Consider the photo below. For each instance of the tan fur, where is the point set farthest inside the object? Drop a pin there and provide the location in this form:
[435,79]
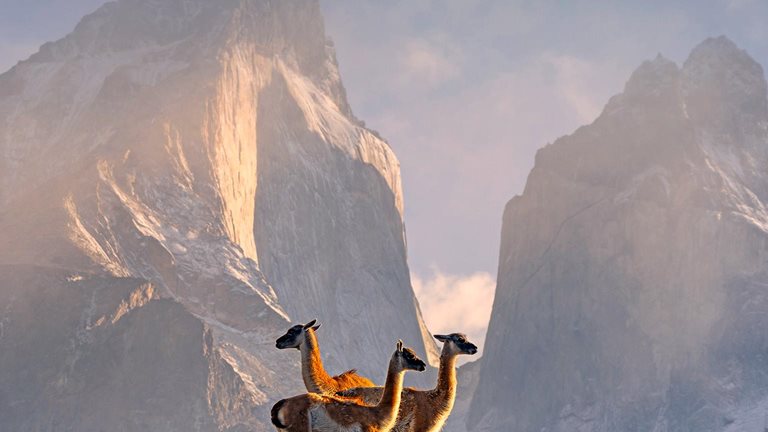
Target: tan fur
[420,410]
[316,379]
[323,413]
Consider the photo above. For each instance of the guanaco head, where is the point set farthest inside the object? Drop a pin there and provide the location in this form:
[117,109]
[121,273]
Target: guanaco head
[457,343]
[406,359]
[295,335]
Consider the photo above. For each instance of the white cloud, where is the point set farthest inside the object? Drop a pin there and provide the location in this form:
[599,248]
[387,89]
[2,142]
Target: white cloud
[456,303]
[428,63]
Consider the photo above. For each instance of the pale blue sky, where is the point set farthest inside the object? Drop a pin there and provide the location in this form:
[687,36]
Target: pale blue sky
[466,91]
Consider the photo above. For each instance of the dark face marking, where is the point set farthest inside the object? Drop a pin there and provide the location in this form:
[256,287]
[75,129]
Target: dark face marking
[461,342]
[412,361]
[467,347]
[291,339]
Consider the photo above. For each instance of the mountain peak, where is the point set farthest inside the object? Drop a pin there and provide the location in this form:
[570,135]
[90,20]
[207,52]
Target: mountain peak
[717,46]
[129,25]
[652,82]
[189,32]
[723,84]
[652,73]
[720,87]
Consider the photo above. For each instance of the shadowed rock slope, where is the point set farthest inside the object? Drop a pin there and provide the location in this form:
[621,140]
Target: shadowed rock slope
[632,277]
[179,181]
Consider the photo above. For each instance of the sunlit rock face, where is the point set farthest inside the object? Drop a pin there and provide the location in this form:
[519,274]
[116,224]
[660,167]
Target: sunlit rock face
[203,151]
[632,277]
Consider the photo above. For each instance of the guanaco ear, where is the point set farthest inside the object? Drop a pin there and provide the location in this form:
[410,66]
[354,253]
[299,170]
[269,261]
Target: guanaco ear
[442,338]
[400,345]
[310,324]
[316,327]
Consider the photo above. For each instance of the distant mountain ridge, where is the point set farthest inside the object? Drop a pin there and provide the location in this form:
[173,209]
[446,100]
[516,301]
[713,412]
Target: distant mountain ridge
[179,181]
[632,275]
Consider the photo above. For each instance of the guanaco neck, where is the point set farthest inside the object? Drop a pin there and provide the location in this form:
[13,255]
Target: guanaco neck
[390,398]
[312,371]
[446,377]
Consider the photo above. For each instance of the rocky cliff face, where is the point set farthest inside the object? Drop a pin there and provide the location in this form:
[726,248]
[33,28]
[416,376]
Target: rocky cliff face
[179,180]
[632,277]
